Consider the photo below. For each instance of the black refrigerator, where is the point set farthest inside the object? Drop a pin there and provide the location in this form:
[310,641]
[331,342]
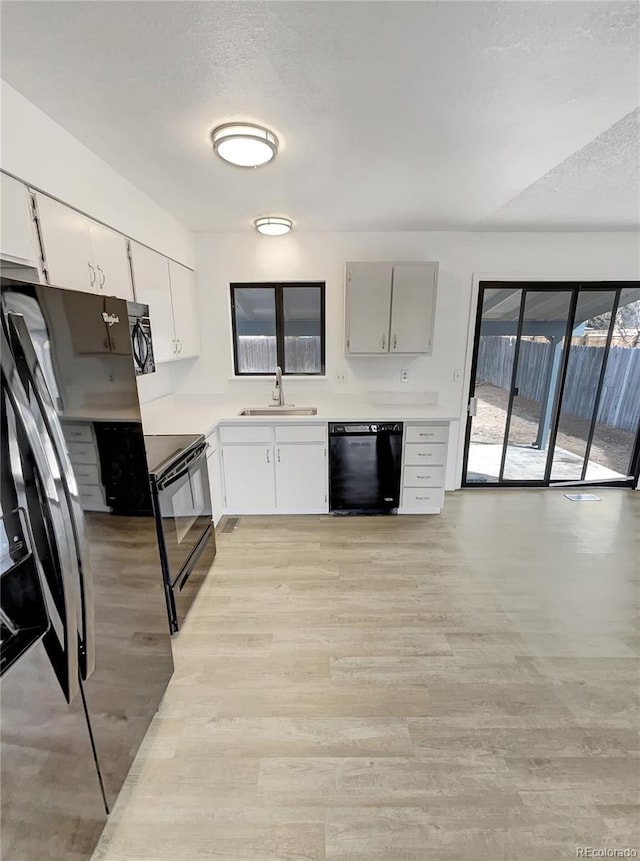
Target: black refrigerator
[85,652]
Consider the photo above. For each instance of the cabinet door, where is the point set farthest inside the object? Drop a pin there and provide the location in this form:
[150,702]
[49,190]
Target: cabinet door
[301,478]
[113,273]
[368,306]
[67,246]
[151,277]
[412,307]
[185,310]
[249,484]
[17,236]
[215,484]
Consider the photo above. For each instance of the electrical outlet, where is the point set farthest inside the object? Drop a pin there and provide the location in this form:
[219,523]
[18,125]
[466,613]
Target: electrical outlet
[341,377]
[404,375]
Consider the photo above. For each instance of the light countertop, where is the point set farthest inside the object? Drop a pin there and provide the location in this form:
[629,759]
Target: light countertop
[169,415]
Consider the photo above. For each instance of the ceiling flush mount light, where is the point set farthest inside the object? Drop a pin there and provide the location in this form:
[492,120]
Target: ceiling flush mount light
[244,144]
[272,225]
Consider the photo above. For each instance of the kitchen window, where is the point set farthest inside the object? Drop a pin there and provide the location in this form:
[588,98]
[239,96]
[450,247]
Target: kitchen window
[278,325]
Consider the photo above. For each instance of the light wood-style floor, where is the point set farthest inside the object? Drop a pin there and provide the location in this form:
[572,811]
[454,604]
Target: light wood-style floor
[387,689]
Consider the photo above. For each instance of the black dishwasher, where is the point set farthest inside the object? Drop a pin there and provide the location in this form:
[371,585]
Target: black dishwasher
[364,467]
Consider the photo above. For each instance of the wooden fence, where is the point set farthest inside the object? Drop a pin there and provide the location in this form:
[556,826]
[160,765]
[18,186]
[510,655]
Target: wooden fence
[620,401]
[257,354]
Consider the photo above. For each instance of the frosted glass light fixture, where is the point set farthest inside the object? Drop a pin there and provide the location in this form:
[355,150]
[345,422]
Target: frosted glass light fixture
[273,225]
[244,144]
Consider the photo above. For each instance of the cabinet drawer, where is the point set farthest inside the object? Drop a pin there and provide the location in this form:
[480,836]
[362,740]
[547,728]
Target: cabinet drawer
[78,433]
[419,499]
[425,433]
[83,452]
[246,433]
[425,454]
[301,433]
[92,497]
[86,473]
[423,476]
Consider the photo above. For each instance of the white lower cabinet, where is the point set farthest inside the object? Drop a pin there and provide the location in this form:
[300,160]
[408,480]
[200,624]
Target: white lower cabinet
[215,478]
[279,469]
[423,468]
[249,479]
[283,469]
[301,478]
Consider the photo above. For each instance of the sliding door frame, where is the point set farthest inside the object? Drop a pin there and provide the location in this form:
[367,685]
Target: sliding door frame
[576,287]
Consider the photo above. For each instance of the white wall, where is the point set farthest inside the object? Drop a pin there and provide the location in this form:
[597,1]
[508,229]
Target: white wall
[224,258]
[40,152]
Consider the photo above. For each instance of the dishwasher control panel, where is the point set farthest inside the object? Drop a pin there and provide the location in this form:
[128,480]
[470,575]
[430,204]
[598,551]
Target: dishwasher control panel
[374,427]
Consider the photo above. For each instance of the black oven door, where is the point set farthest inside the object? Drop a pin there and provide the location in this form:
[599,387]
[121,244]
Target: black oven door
[184,506]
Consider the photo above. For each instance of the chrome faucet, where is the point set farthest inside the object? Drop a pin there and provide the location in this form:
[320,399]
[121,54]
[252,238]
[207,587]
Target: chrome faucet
[277,395]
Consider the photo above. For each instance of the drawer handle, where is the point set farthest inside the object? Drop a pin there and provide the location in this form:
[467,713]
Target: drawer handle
[424,454]
[426,434]
[423,476]
[423,498]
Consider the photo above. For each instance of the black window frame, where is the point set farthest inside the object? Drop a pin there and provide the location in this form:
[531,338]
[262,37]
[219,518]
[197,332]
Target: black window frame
[278,288]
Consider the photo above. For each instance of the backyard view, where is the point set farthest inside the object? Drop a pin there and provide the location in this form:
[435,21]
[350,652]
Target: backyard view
[611,446]
[616,404]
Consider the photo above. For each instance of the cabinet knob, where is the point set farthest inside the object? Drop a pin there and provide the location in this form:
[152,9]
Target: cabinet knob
[268,459]
[395,341]
[93,273]
[278,455]
[103,277]
[383,342]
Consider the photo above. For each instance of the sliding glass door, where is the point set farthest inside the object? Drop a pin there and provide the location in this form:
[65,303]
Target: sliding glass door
[555,391]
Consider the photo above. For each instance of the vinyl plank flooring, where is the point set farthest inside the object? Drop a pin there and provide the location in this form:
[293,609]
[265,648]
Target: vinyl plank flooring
[453,688]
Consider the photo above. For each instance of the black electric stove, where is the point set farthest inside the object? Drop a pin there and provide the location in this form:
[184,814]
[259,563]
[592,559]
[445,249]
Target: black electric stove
[182,508]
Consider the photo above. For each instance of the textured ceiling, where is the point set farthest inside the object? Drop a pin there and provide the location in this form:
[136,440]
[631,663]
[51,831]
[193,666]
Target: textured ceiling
[392,115]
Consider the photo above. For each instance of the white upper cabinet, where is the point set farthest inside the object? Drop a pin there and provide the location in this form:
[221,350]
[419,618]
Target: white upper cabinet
[185,313]
[151,278]
[17,235]
[81,254]
[170,292]
[111,259]
[390,308]
[413,299]
[368,304]
[67,246]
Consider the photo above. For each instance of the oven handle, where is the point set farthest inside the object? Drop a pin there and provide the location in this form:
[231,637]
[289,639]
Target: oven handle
[184,467]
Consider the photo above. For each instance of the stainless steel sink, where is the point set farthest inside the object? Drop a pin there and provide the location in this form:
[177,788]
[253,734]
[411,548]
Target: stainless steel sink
[279,411]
